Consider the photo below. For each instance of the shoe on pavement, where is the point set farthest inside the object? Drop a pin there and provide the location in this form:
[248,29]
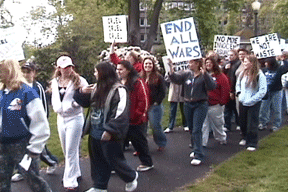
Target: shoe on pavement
[131,186]
[168,130]
[96,190]
[192,155]
[242,142]
[186,129]
[51,169]
[262,127]
[274,129]
[223,142]
[226,129]
[17,177]
[196,162]
[71,189]
[251,149]
[238,128]
[144,167]
[136,153]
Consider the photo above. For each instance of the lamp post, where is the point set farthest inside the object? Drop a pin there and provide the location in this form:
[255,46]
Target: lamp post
[256,7]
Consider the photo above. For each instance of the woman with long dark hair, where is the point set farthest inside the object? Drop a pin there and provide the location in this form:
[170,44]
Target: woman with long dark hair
[197,82]
[251,87]
[139,104]
[217,98]
[109,119]
[157,88]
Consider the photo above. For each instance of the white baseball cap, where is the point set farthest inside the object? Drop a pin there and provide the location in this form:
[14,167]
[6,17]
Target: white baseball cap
[64,61]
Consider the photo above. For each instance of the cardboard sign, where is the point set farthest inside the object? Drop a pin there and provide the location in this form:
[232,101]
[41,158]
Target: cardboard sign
[11,40]
[181,40]
[115,28]
[223,44]
[178,66]
[266,46]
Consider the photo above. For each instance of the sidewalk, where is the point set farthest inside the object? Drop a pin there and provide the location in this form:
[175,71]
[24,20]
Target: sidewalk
[172,168]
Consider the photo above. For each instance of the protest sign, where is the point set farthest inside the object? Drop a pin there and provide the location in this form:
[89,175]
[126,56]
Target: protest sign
[266,46]
[178,66]
[115,28]
[223,44]
[11,40]
[181,40]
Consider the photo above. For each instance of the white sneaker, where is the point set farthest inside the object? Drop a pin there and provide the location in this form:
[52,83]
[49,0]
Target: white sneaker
[186,129]
[17,177]
[262,127]
[251,149]
[242,142]
[192,155]
[238,128]
[144,167]
[132,185]
[96,190]
[51,169]
[225,129]
[195,162]
[168,130]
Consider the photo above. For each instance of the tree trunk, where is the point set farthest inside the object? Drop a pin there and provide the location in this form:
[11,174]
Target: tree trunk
[154,26]
[133,27]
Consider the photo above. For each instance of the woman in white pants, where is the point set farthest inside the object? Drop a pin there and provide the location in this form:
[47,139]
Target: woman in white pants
[70,118]
[217,98]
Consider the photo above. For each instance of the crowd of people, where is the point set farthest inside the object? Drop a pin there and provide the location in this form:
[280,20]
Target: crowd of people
[124,103]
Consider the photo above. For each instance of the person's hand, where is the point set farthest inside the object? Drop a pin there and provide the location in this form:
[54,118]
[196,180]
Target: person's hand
[106,136]
[170,63]
[228,66]
[112,48]
[87,89]
[202,70]
[232,96]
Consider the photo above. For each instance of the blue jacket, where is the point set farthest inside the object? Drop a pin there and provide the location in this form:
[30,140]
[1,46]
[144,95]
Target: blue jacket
[22,115]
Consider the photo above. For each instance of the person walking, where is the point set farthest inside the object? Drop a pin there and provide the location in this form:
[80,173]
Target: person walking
[24,128]
[251,87]
[197,82]
[217,99]
[157,88]
[139,105]
[109,120]
[70,118]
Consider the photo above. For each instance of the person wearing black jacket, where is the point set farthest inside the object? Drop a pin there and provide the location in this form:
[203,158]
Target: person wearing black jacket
[273,99]
[230,70]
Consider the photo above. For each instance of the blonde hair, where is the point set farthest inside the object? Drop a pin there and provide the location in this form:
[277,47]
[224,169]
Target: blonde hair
[14,75]
[75,77]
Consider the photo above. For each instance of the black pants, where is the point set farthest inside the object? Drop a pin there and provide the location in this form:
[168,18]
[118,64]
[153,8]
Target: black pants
[136,134]
[47,157]
[249,119]
[230,108]
[106,156]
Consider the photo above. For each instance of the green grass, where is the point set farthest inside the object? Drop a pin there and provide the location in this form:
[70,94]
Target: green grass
[265,170]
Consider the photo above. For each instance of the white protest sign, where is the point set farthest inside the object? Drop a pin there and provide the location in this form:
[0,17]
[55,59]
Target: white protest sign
[266,46]
[11,40]
[223,44]
[178,66]
[181,40]
[115,28]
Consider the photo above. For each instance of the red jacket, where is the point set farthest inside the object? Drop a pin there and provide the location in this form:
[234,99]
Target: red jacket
[139,102]
[115,60]
[221,94]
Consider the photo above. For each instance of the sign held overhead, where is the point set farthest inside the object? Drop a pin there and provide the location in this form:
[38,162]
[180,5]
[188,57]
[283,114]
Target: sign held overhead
[115,28]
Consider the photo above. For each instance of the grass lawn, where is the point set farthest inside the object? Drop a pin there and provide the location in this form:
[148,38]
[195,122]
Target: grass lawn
[265,170]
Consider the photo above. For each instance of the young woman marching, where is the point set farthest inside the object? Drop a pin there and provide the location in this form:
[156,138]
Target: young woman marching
[70,118]
[109,121]
[157,88]
[251,87]
[197,82]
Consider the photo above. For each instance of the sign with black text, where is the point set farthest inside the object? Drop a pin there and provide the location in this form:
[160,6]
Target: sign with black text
[115,28]
[266,46]
[178,66]
[181,40]
[223,44]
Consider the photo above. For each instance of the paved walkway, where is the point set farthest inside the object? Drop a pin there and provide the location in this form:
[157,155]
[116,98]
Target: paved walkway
[172,168]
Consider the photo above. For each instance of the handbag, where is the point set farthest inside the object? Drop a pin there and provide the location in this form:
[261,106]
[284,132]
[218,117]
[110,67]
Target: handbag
[87,123]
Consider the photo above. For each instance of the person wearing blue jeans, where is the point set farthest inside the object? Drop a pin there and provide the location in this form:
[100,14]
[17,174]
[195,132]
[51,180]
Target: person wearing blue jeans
[157,87]
[196,84]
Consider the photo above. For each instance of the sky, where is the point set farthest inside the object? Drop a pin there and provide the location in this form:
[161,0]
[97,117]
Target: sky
[22,8]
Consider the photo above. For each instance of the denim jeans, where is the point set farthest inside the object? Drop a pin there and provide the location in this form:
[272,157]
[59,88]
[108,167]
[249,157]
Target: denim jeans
[155,115]
[195,115]
[173,111]
[274,102]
